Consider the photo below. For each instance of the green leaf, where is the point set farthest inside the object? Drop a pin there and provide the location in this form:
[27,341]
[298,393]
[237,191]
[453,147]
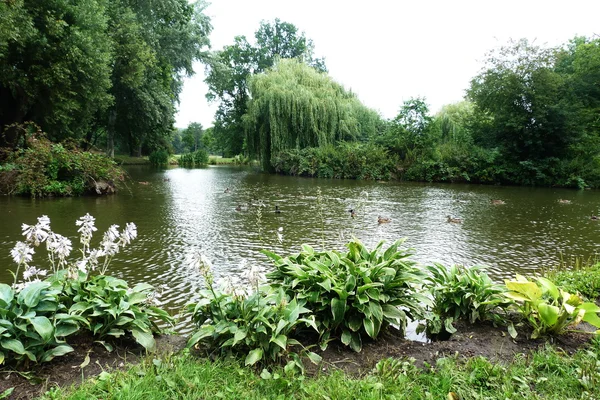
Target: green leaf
[346,337]
[511,330]
[354,323]
[549,287]
[56,352]
[7,392]
[280,340]
[266,375]
[350,283]
[144,338]
[31,295]
[369,327]
[314,357]
[326,284]
[254,356]
[356,342]
[527,289]
[43,327]
[6,293]
[338,309]
[239,335]
[1,358]
[13,345]
[392,312]
[548,314]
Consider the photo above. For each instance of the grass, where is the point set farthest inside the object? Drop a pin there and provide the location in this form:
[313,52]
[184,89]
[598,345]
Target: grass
[218,160]
[582,277]
[545,374]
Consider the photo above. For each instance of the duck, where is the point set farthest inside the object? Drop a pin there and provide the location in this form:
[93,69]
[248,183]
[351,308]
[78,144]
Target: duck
[144,183]
[226,190]
[352,212]
[594,217]
[383,220]
[277,210]
[454,220]
[238,208]
[497,202]
[563,201]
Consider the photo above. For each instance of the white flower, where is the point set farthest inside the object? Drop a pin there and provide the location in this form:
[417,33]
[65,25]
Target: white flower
[112,233]
[31,271]
[82,265]
[60,245]
[128,234]
[22,253]
[109,248]
[255,275]
[37,233]
[230,285]
[87,228]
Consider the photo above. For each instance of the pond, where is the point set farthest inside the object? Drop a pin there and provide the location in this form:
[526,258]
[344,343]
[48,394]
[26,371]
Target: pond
[183,209]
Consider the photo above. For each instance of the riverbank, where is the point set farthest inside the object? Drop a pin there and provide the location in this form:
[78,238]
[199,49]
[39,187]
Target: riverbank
[477,361]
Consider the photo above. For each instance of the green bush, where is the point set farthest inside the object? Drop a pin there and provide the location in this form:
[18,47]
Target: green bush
[459,293]
[257,323]
[53,169]
[548,309]
[191,160]
[352,295]
[159,158]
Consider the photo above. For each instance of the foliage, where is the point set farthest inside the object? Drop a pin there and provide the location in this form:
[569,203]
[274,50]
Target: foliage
[34,323]
[584,280]
[547,308]
[352,295]
[293,106]
[192,136]
[229,70]
[459,293]
[54,169]
[343,161]
[159,157]
[197,159]
[113,309]
[256,323]
[37,315]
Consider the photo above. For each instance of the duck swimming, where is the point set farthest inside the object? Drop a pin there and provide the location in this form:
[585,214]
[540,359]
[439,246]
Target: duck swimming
[238,208]
[383,220]
[594,217]
[563,201]
[352,213]
[497,202]
[277,210]
[454,220]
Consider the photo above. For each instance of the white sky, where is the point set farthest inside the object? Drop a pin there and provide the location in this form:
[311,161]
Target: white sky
[388,51]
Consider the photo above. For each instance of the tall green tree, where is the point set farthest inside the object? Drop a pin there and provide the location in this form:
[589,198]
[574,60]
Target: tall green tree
[228,72]
[192,136]
[55,64]
[294,106]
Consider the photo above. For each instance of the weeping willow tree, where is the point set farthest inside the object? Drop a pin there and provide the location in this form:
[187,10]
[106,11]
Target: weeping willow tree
[293,106]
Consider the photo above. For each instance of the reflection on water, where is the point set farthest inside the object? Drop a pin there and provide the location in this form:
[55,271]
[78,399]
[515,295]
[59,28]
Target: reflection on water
[182,209]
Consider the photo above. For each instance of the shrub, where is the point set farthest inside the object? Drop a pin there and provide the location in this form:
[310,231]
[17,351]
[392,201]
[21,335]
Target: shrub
[584,280]
[159,158]
[54,169]
[36,315]
[547,309]
[352,294]
[461,292]
[257,323]
[197,159]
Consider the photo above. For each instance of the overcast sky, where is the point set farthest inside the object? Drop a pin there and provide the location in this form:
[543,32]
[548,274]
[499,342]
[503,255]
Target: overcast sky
[388,51]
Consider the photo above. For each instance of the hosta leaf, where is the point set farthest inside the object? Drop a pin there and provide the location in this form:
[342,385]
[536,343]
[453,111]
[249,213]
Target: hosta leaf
[369,327]
[338,309]
[591,318]
[239,335]
[511,330]
[65,330]
[376,310]
[549,287]
[314,357]
[254,356]
[326,284]
[31,295]
[13,345]
[43,327]
[346,337]
[280,340]
[527,289]
[392,312]
[203,332]
[548,314]
[145,339]
[356,342]
[350,283]
[354,323]
[56,352]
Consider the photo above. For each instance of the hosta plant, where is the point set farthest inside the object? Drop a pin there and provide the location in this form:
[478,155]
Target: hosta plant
[250,321]
[76,294]
[34,324]
[548,309]
[354,294]
[460,292]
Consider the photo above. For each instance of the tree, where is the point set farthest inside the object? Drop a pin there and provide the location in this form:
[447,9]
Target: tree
[192,136]
[228,72]
[294,106]
[524,104]
[55,64]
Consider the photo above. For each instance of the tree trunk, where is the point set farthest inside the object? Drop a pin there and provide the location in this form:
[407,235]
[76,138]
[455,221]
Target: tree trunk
[110,134]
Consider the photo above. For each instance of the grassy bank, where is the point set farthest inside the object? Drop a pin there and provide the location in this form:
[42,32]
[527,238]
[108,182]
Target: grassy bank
[547,374]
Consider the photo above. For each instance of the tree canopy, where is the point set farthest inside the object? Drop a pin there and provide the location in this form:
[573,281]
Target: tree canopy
[82,69]
[228,71]
[294,106]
